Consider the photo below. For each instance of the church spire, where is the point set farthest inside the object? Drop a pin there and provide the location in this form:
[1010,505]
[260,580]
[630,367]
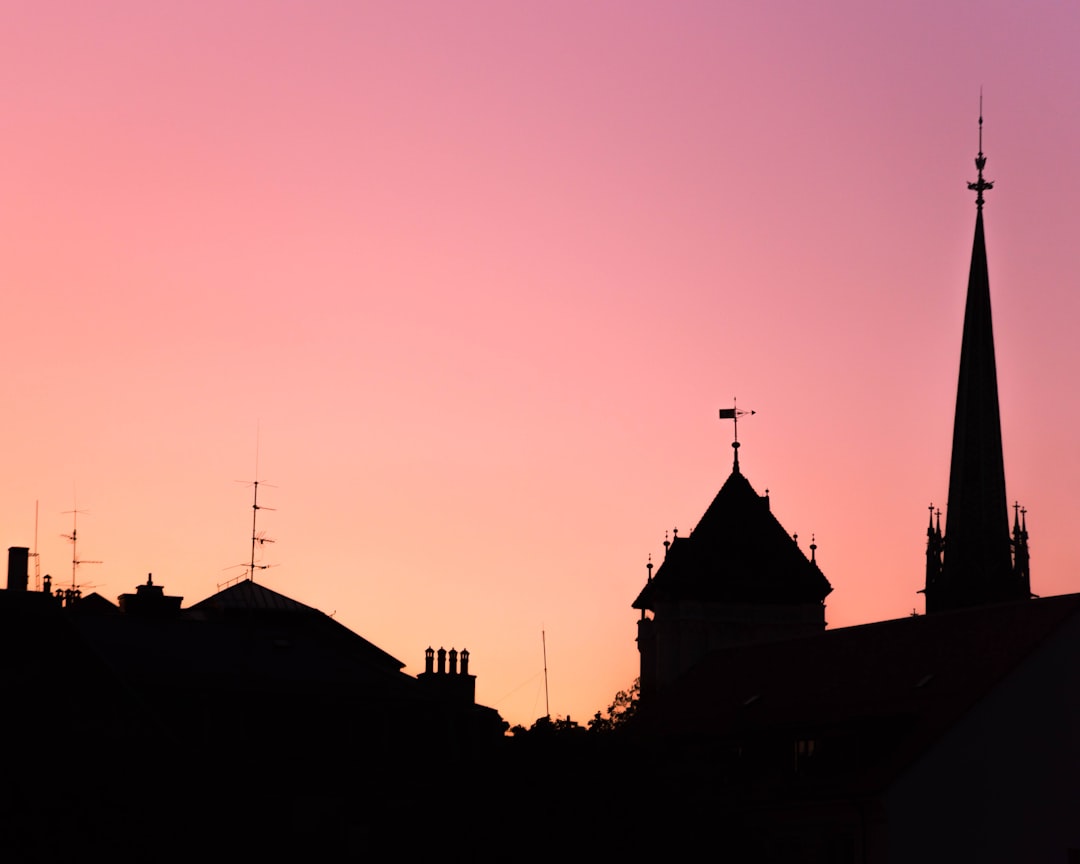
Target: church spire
[977,566]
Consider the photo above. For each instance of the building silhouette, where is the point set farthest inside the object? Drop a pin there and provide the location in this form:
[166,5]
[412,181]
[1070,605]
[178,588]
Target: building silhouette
[738,578]
[270,730]
[951,736]
[262,720]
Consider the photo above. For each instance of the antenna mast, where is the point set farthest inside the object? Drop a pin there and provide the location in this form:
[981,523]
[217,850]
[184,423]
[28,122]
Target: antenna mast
[547,704]
[256,538]
[34,554]
[74,538]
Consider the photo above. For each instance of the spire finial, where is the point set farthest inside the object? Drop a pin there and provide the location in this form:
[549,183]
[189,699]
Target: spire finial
[734,414]
[980,185]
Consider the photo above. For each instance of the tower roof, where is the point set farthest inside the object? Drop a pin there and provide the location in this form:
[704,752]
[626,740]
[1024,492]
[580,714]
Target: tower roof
[737,553]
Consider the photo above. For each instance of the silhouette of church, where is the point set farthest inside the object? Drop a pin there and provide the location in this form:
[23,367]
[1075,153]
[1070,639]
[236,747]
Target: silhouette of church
[950,736]
[268,729]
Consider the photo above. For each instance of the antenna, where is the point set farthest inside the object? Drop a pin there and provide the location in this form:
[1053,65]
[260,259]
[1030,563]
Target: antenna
[74,538]
[258,538]
[547,704]
[34,554]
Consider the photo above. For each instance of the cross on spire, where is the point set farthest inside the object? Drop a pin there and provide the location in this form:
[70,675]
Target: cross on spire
[980,185]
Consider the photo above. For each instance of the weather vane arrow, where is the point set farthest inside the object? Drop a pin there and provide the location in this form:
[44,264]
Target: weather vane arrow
[733,414]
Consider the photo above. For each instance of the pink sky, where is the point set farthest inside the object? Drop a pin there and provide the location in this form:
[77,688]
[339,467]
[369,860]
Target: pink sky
[481,274]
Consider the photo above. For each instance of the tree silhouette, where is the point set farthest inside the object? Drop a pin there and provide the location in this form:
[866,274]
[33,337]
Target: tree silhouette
[620,712]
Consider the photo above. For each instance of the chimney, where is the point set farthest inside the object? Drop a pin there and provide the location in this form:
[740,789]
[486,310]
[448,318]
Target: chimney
[18,568]
[464,661]
[453,661]
[429,661]
[442,661]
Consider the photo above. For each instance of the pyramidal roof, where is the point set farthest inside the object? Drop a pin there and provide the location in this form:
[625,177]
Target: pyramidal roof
[737,553]
[250,595]
[248,598]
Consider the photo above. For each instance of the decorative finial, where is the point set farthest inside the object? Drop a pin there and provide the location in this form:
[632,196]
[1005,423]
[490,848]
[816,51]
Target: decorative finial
[980,185]
[649,568]
[734,414]
[813,549]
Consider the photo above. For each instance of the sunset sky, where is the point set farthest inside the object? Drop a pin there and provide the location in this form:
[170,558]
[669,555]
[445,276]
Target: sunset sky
[474,278]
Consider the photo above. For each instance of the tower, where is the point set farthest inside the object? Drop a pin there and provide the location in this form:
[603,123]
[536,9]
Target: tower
[738,578]
[973,562]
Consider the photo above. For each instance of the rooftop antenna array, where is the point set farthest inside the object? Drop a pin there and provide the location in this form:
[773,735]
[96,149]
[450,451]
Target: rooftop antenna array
[258,538]
[75,559]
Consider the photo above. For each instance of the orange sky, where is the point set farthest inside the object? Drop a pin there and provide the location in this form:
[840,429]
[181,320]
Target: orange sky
[478,277]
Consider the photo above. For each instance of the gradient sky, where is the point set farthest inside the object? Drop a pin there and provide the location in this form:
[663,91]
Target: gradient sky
[477,277]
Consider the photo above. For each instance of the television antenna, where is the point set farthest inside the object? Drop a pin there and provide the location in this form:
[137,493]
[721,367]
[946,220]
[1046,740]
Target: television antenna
[74,538]
[34,554]
[258,538]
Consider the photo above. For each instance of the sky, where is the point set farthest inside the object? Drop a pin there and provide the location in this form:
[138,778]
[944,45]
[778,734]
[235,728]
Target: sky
[464,285]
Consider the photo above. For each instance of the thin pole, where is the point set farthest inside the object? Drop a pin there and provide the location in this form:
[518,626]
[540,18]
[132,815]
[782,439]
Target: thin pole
[37,558]
[547,705]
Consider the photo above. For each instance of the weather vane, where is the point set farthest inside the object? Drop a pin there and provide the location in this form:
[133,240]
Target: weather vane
[734,414]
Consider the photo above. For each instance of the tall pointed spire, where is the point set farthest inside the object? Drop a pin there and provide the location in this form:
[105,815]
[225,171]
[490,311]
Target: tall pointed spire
[977,567]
